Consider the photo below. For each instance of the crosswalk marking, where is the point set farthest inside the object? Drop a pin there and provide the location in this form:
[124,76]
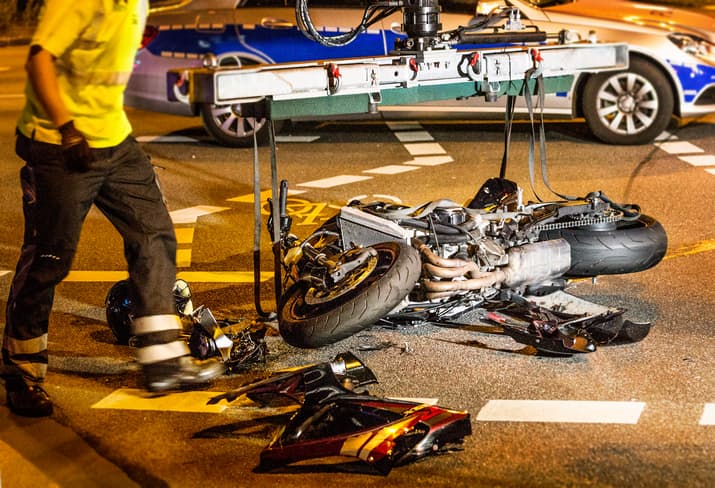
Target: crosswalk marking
[413,136]
[170,138]
[424,148]
[708,417]
[191,215]
[601,412]
[334,181]
[265,194]
[699,160]
[297,138]
[403,125]
[679,147]
[686,151]
[166,138]
[391,169]
[431,160]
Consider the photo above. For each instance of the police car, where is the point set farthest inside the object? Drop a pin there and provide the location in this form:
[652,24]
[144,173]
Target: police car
[671,70]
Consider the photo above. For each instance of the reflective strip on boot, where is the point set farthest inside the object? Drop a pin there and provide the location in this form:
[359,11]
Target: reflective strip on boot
[161,352]
[150,324]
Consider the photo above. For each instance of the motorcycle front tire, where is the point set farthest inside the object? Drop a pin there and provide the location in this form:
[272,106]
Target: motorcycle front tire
[627,247]
[314,325]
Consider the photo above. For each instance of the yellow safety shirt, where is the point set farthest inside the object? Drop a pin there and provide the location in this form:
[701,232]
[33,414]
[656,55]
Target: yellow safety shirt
[94,43]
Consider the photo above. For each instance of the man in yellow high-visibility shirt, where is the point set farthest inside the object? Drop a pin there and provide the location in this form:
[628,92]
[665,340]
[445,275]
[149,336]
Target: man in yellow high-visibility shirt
[75,139]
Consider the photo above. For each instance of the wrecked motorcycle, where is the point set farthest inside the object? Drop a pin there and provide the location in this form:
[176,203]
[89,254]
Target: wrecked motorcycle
[497,259]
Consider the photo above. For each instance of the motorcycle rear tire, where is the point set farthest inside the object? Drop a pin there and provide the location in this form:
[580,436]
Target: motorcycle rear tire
[629,247]
[315,325]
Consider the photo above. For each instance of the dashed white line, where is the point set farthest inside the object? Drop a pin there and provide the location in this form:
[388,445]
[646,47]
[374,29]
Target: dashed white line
[431,160]
[699,160]
[190,215]
[413,136]
[686,151]
[424,148]
[406,125]
[297,138]
[679,147]
[591,412]
[708,417]
[391,169]
[168,138]
[334,181]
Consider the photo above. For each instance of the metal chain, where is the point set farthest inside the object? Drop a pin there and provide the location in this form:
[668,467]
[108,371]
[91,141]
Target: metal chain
[577,223]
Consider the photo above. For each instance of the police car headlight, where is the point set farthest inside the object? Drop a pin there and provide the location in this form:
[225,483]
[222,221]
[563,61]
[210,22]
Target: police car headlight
[694,45]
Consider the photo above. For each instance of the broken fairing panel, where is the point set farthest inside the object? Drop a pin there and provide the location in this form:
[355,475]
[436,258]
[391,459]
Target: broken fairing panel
[381,432]
[308,384]
[338,417]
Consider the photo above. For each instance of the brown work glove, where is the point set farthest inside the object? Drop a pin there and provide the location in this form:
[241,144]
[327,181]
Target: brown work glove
[75,150]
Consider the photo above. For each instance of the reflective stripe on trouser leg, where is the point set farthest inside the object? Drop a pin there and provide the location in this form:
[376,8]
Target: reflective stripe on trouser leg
[27,358]
[159,338]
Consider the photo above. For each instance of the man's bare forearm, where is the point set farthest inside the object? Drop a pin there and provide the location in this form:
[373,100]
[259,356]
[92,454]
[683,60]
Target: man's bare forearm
[41,71]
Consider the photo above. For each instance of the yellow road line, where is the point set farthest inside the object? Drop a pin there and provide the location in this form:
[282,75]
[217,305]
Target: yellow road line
[185,401]
[133,399]
[689,249]
[190,276]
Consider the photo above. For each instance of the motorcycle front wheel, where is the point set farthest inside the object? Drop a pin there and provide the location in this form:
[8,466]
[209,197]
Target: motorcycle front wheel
[620,248]
[311,318]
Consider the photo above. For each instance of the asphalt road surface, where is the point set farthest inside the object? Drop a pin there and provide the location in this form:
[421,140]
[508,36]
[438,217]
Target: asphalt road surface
[633,415]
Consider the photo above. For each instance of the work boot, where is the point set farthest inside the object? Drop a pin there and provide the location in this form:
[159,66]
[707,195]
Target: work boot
[180,373]
[28,400]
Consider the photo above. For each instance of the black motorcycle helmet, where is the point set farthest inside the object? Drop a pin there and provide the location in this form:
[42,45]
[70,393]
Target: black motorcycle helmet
[119,306]
[119,309]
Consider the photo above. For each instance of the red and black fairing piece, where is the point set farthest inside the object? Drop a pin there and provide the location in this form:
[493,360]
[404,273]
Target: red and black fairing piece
[338,417]
[382,432]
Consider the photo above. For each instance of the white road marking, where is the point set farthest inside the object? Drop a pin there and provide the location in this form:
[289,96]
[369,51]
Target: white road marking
[688,152]
[679,147]
[699,160]
[334,181]
[297,138]
[175,138]
[425,148]
[191,215]
[406,125]
[414,136]
[708,417]
[601,412]
[665,136]
[391,169]
[430,160]
[169,138]
[265,194]
[5,272]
